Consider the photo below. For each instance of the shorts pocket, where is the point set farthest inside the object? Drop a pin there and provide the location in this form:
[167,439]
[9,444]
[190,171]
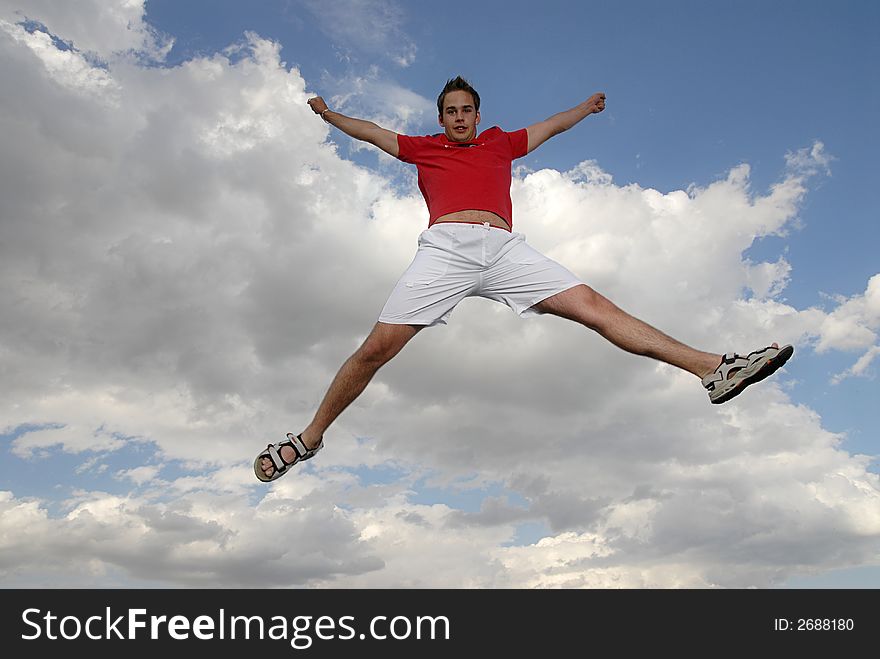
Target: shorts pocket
[430,265]
[521,253]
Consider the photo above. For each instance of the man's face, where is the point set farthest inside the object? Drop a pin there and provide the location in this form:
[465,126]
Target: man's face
[460,117]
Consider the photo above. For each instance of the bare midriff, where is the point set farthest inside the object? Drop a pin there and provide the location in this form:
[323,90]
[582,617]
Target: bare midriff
[475,217]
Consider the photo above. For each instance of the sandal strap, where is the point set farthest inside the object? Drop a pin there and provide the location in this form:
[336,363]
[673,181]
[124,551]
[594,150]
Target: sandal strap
[733,362]
[294,442]
[275,456]
[755,353]
[297,445]
[729,362]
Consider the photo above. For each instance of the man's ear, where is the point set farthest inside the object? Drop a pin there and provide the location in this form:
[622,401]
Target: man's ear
[440,119]
[477,122]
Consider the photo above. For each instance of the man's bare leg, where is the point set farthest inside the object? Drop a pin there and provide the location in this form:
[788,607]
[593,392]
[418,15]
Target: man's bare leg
[584,305]
[383,343]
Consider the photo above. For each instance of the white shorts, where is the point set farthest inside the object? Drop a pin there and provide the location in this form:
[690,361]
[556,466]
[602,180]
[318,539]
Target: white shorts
[456,260]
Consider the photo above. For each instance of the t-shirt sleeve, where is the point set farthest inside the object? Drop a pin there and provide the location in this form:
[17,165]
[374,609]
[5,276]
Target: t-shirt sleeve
[407,148]
[519,142]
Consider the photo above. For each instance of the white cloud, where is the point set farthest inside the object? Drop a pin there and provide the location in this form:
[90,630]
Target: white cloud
[68,68]
[370,27]
[106,29]
[853,326]
[860,368]
[139,475]
[810,161]
[186,268]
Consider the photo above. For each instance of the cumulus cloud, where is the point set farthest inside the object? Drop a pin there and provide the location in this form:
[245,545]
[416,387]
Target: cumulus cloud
[853,324]
[102,29]
[184,267]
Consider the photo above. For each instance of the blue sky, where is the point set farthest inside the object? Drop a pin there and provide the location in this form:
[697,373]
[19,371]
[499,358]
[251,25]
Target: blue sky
[182,280]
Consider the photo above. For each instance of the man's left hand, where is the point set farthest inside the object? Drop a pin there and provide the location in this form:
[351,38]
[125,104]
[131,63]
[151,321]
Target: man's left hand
[596,103]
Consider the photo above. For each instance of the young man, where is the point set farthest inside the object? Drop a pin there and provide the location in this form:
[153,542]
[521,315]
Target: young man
[469,249]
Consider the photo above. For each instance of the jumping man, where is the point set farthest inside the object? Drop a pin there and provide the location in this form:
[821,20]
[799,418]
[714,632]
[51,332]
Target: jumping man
[469,249]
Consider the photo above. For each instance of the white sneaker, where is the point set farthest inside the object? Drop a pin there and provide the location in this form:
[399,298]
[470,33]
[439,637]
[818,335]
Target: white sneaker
[736,372]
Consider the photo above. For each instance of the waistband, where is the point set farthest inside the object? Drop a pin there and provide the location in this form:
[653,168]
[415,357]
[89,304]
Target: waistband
[487,225]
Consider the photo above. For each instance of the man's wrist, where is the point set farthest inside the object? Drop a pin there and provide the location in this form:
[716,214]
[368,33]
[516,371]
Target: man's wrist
[326,110]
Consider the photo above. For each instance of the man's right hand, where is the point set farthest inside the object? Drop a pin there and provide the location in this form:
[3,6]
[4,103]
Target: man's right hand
[358,128]
[317,104]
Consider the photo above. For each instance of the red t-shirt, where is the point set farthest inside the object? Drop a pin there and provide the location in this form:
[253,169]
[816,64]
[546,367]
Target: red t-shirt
[457,176]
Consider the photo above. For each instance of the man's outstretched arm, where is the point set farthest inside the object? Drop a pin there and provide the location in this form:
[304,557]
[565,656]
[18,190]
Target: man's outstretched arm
[357,128]
[562,121]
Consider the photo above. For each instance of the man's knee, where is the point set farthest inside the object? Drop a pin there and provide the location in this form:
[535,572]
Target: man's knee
[374,352]
[581,304]
[384,342]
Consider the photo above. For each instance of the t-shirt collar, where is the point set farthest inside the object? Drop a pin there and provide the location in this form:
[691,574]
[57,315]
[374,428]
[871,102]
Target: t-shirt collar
[478,138]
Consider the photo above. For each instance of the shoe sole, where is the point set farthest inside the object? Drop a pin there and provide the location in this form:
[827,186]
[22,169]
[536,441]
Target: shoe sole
[769,368]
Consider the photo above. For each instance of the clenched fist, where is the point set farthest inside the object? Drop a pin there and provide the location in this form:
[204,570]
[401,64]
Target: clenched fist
[317,104]
[596,103]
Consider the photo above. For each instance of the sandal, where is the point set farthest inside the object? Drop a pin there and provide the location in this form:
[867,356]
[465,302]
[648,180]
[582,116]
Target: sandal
[736,372]
[273,452]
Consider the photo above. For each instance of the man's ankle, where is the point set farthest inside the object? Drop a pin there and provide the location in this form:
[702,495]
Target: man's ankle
[311,438]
